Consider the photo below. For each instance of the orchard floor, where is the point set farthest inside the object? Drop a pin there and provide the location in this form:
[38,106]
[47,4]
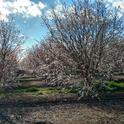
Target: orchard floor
[68,113]
[36,105]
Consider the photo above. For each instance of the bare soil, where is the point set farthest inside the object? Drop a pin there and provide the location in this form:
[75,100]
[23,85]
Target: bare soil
[71,113]
[63,112]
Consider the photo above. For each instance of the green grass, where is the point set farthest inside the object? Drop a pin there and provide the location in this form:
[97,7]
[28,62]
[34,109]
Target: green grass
[110,86]
[37,91]
[114,87]
[106,86]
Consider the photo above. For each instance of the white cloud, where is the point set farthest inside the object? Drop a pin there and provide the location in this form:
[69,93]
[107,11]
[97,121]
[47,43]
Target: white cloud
[26,8]
[58,10]
[118,4]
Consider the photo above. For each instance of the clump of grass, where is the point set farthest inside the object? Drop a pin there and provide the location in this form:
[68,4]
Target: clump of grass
[32,89]
[74,90]
[109,86]
[115,86]
[38,93]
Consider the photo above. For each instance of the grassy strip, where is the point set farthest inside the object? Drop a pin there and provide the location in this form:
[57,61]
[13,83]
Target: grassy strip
[113,86]
[110,86]
[106,86]
[37,91]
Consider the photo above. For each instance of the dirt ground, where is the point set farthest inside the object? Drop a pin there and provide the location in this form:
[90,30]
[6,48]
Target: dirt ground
[66,114]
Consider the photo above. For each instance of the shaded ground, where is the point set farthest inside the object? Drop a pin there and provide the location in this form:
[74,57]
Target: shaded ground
[37,96]
[76,113]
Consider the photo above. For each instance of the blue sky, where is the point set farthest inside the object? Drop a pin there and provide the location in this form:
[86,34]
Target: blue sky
[27,15]
[31,27]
